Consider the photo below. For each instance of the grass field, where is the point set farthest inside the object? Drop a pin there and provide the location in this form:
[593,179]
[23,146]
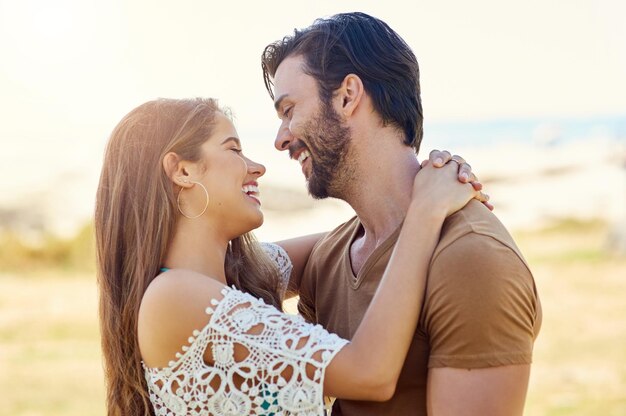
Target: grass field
[50,359]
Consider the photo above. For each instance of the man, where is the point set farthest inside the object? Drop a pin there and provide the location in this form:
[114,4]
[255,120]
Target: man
[347,92]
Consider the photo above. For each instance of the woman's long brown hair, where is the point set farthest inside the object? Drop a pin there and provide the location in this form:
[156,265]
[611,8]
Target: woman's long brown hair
[135,219]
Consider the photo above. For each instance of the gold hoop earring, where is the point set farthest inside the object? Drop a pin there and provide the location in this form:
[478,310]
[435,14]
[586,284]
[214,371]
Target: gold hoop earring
[205,205]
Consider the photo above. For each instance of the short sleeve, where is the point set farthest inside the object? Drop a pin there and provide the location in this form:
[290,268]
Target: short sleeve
[481,307]
[264,362]
[282,260]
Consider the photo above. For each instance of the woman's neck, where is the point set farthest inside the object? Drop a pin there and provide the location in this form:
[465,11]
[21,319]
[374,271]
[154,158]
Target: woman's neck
[196,247]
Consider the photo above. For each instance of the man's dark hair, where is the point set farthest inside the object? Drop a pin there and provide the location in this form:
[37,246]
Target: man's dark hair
[356,43]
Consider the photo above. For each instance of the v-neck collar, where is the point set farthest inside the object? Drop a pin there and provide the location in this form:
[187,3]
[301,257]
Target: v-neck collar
[355,281]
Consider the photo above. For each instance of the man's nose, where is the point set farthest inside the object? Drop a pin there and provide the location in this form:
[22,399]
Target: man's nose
[283,138]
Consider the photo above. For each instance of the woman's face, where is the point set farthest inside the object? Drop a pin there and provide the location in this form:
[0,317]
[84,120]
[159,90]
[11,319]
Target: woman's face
[231,181]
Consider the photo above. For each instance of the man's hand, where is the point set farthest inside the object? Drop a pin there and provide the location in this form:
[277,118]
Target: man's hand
[439,158]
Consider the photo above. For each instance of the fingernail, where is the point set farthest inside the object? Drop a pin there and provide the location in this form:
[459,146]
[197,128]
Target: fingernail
[464,176]
[439,161]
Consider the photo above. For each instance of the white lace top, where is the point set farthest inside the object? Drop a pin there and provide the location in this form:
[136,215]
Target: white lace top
[268,374]
[281,258]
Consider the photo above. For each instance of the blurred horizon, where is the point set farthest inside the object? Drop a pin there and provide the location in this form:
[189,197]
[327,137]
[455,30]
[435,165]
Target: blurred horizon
[60,202]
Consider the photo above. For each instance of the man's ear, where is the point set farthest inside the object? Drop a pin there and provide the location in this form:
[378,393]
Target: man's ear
[350,92]
[176,170]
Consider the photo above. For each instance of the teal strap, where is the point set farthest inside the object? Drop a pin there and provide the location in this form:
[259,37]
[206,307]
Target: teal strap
[164,269]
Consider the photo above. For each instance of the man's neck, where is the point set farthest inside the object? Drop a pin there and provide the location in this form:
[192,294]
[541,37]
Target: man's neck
[383,193]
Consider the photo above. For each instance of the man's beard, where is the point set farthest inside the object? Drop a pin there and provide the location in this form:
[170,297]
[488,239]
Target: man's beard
[328,141]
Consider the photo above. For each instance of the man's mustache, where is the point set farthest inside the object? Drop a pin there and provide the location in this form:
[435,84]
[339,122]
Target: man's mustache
[295,147]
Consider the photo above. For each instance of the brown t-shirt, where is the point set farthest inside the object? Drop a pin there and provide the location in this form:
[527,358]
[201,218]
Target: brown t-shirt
[481,307]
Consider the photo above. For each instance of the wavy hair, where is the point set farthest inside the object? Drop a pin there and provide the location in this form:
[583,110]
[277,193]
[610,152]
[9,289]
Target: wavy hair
[135,219]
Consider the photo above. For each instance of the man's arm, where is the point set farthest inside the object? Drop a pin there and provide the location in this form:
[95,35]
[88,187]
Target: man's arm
[481,315]
[482,392]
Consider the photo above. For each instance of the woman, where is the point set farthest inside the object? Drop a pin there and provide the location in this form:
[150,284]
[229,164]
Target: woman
[190,304]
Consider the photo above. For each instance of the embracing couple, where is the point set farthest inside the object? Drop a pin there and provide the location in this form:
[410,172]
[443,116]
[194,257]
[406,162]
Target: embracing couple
[420,304]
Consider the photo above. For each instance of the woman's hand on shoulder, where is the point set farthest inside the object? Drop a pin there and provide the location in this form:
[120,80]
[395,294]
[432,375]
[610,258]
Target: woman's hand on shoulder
[440,158]
[439,191]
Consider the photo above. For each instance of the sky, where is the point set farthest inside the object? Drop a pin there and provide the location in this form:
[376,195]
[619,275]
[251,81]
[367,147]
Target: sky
[70,69]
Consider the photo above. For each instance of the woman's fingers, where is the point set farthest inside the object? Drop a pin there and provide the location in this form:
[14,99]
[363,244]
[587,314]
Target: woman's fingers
[484,198]
[465,170]
[439,157]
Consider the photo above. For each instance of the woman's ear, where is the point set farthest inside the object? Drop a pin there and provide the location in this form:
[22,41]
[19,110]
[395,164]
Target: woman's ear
[176,170]
[350,92]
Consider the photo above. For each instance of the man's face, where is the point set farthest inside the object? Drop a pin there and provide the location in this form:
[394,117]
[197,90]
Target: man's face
[310,130]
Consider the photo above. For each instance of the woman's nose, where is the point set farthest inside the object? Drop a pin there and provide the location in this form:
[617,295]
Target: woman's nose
[255,168]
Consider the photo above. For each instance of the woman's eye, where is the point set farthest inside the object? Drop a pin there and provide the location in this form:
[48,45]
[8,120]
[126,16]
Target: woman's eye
[236,150]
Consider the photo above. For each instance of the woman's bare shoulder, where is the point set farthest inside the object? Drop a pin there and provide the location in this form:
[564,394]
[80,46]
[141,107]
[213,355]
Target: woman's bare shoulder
[173,306]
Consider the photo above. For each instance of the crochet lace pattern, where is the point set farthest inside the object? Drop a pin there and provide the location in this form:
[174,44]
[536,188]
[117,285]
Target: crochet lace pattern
[265,362]
[281,258]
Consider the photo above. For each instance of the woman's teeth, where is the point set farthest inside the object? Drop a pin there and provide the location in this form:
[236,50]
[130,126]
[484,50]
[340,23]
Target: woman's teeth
[250,190]
[303,156]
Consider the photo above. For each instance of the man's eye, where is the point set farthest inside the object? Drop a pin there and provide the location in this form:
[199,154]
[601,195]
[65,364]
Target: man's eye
[287,112]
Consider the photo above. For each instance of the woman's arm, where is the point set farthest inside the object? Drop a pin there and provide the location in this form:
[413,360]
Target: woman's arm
[368,368]
[299,249]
